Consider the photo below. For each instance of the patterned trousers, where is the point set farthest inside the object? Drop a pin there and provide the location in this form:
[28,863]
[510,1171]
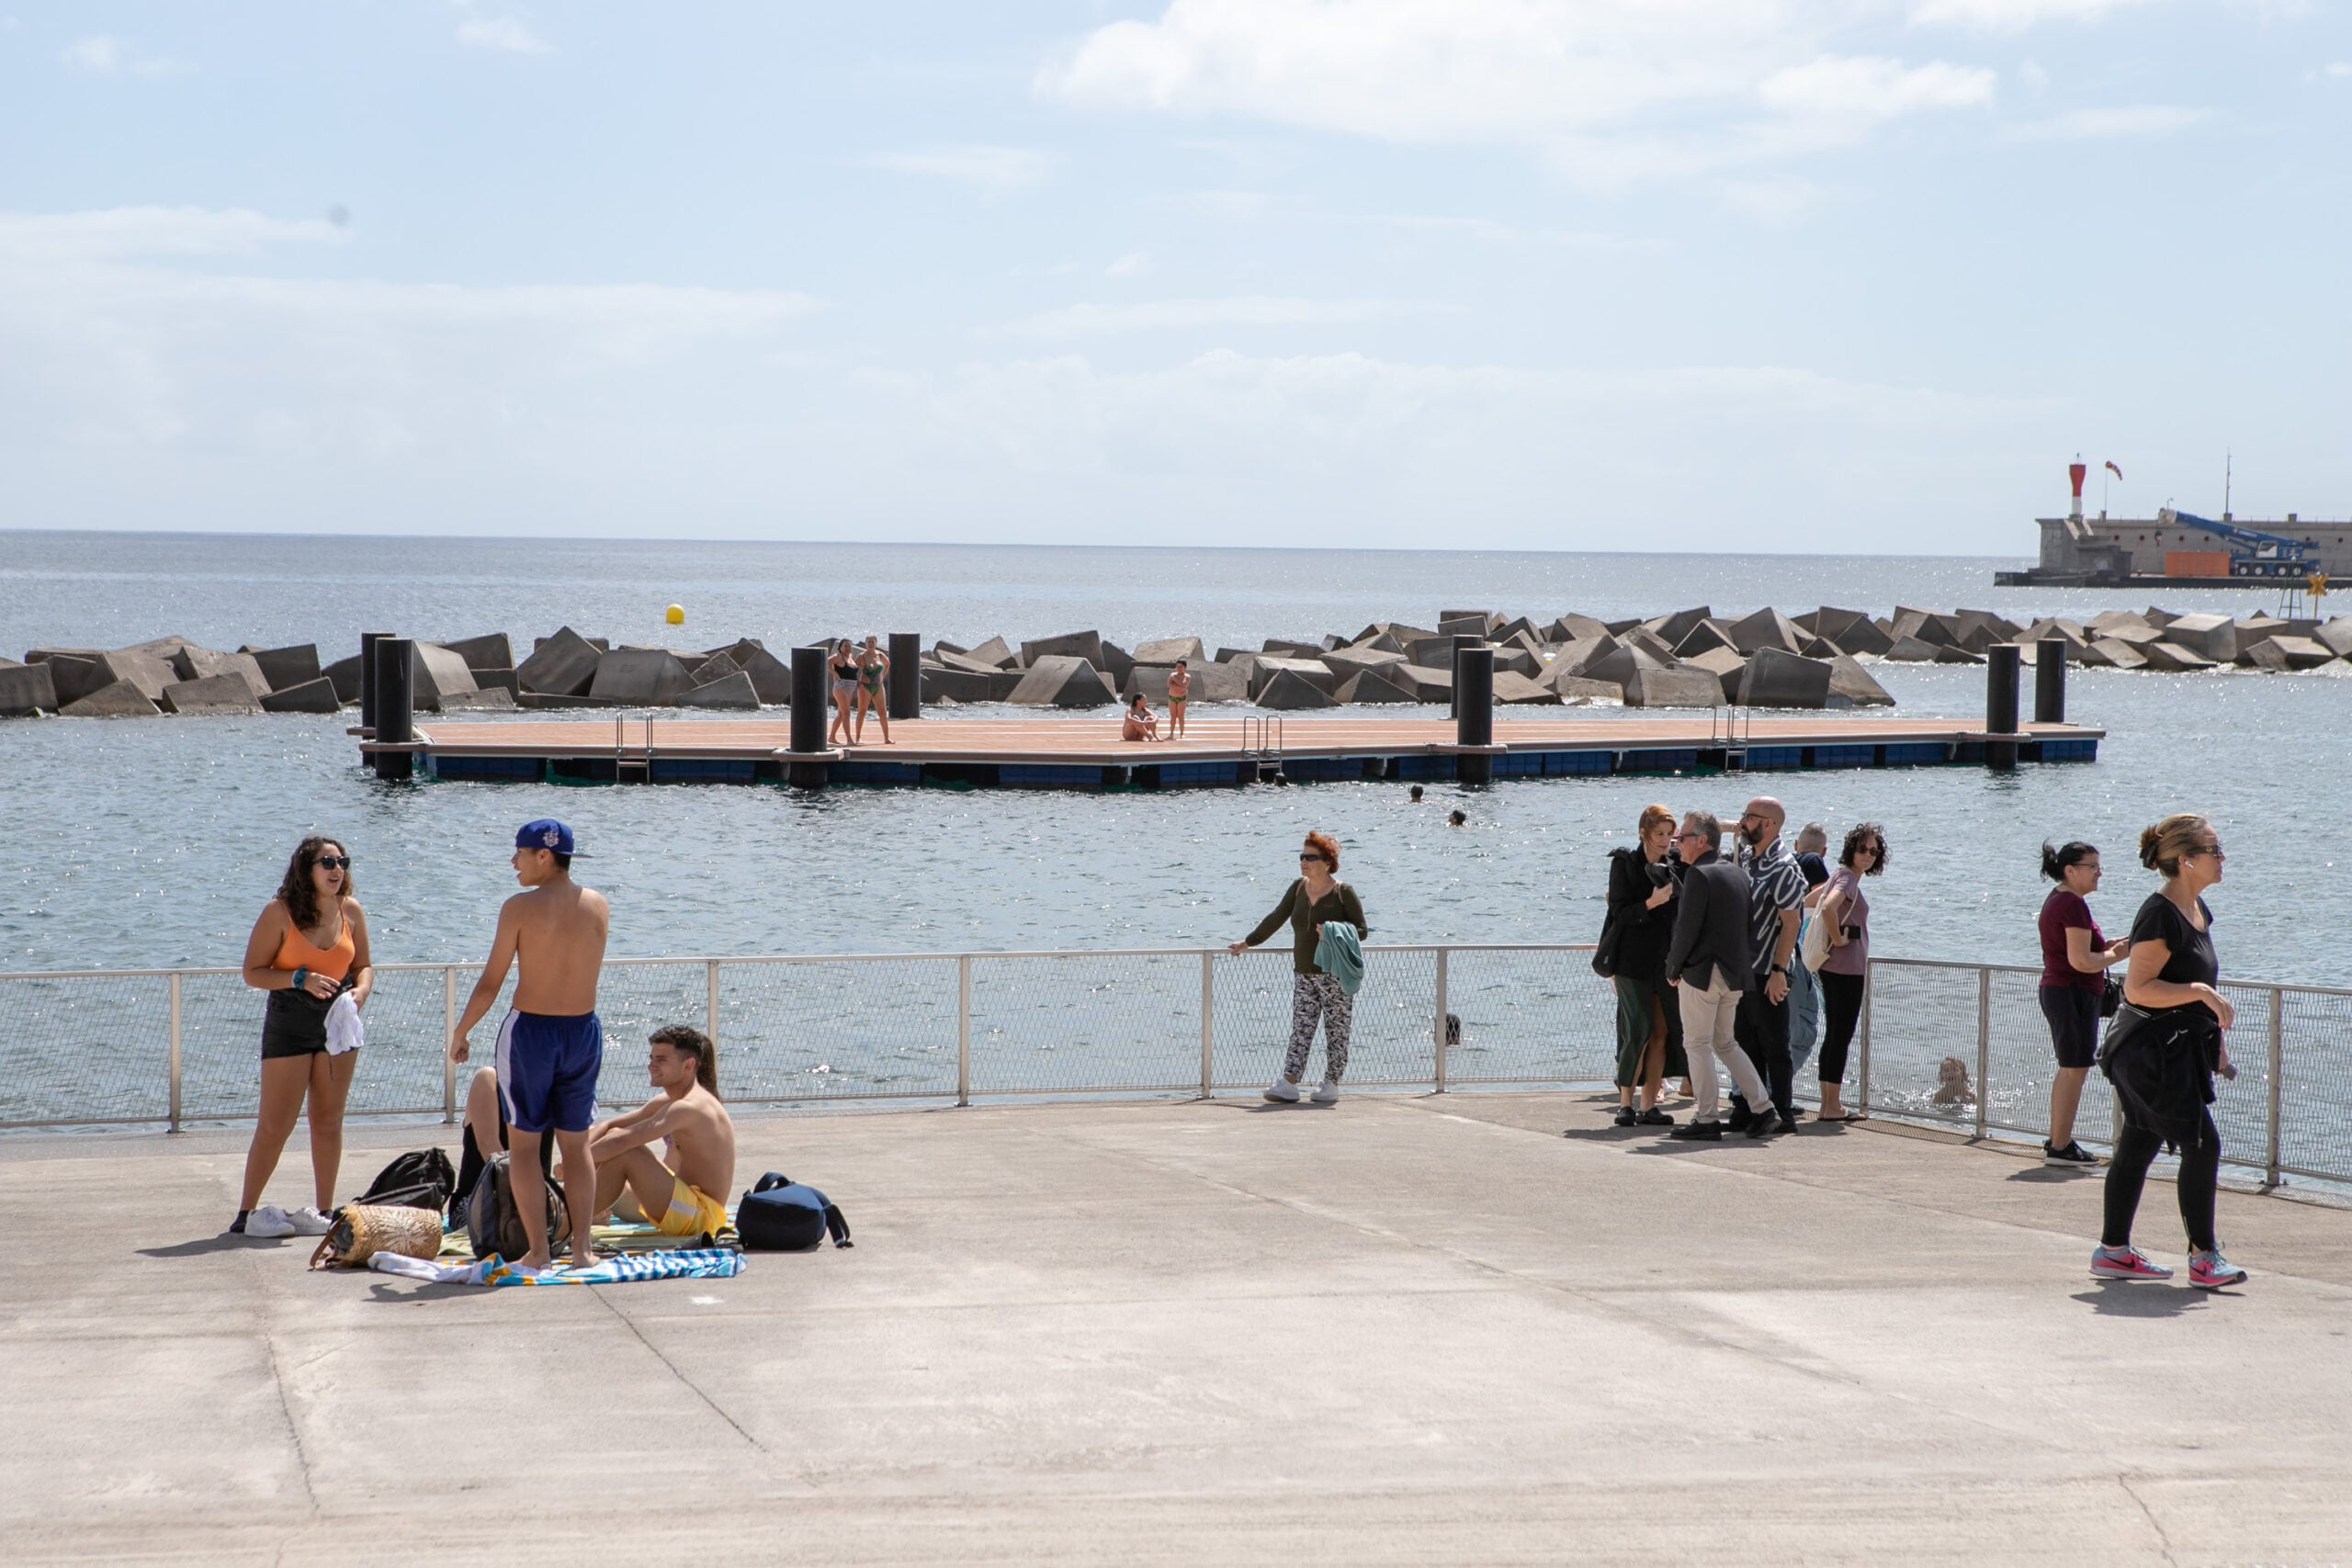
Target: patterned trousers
[1313,997]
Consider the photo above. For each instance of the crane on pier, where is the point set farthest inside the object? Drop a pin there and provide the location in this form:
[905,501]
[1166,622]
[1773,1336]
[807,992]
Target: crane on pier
[2253,553]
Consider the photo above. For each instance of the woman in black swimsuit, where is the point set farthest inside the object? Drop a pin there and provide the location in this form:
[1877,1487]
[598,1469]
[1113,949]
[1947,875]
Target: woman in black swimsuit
[844,667]
[2172,978]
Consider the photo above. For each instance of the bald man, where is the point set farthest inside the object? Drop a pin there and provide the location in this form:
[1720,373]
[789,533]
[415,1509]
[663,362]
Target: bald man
[1775,908]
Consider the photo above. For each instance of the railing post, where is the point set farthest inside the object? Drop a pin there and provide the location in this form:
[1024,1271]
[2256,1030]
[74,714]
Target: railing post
[1983,1045]
[1870,984]
[1437,1031]
[2278,1062]
[964,1029]
[1208,1022]
[448,1027]
[175,1095]
[710,1000]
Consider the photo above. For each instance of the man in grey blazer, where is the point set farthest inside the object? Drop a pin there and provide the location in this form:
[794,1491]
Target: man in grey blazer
[1710,962]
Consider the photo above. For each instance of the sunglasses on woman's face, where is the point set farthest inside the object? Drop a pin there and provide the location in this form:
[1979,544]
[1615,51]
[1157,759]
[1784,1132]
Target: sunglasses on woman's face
[332,863]
[1308,860]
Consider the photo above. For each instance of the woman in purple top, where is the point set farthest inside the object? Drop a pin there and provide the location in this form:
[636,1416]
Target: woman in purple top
[1846,912]
[2075,956]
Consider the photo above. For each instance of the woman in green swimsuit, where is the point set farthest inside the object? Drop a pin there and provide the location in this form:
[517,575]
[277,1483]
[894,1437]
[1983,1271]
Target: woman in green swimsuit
[873,686]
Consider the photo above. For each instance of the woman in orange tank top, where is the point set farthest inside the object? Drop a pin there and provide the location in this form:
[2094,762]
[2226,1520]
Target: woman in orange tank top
[308,947]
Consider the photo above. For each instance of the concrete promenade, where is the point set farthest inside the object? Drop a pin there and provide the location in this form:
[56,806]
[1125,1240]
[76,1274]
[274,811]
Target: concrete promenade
[1396,1331]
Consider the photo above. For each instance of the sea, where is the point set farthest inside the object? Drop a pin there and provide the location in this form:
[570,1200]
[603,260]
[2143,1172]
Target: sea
[149,844]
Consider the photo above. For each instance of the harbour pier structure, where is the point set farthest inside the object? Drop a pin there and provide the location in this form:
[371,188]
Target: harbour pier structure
[2175,549]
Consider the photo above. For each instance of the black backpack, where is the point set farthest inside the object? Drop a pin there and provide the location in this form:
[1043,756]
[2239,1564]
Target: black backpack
[420,1178]
[495,1225]
[781,1215]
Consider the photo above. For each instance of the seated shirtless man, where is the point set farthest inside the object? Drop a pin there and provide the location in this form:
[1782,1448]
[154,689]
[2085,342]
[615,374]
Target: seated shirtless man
[1139,723]
[686,1194]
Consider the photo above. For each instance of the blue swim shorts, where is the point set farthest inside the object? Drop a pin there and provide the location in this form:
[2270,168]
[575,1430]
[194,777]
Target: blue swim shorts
[546,1070]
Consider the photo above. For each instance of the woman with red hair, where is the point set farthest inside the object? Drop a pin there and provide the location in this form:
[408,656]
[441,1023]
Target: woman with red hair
[1317,896]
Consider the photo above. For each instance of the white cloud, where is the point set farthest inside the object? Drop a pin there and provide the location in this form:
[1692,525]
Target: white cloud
[1176,315]
[2012,16]
[500,32]
[124,232]
[101,54]
[1135,263]
[1609,90]
[2097,124]
[990,169]
[2335,70]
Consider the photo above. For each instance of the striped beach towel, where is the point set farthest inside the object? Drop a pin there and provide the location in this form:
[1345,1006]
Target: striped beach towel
[697,1263]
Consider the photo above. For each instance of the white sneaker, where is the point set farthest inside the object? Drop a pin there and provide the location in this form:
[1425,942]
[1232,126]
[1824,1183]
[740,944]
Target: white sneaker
[1282,1091]
[1326,1095]
[306,1220]
[270,1223]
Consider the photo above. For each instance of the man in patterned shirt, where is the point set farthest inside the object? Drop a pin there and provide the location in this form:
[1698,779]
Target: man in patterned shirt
[1775,908]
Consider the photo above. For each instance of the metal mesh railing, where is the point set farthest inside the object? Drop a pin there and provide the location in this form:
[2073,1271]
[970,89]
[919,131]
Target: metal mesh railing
[1957,1045]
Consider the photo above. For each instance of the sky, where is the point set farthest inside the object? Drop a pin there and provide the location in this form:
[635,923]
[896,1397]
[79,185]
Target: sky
[1680,275]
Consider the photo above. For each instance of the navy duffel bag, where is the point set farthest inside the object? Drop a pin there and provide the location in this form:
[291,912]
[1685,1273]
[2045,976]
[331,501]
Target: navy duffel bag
[781,1215]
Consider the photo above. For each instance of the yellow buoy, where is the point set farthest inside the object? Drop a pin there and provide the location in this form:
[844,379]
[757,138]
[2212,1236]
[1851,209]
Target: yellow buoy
[675,615]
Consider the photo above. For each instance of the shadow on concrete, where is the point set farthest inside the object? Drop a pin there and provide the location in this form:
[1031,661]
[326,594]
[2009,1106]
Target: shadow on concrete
[204,1245]
[2142,1298]
[388,1293]
[2053,1175]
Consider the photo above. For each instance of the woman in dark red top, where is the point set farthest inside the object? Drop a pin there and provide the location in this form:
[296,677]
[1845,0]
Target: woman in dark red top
[2075,959]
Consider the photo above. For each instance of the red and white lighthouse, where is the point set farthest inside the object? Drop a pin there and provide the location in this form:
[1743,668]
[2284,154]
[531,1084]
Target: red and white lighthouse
[2075,471]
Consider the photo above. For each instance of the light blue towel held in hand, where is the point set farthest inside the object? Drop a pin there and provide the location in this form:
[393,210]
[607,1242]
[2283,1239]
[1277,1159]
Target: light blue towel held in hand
[1340,953]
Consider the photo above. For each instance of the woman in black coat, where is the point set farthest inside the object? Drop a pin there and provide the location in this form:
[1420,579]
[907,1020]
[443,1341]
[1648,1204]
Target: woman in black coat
[1641,884]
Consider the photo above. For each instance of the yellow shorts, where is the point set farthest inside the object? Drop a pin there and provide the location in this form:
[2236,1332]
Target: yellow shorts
[692,1212]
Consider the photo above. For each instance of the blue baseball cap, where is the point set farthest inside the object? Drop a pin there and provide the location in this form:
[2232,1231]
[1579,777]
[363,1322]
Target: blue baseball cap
[547,833]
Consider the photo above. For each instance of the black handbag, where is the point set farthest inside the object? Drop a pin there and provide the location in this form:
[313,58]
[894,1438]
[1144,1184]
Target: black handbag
[1604,955]
[2110,997]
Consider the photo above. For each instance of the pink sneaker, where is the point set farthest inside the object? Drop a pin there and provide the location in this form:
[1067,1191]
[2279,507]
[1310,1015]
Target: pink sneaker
[2210,1270]
[2125,1263]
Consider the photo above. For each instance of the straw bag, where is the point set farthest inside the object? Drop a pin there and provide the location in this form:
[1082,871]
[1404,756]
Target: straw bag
[362,1230]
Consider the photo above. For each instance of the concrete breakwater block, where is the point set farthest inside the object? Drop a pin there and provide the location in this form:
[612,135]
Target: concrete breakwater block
[72,676]
[1432,653]
[2167,655]
[489,651]
[43,655]
[482,699]
[1512,687]
[1168,649]
[1344,662]
[1087,646]
[211,694]
[2114,654]
[1779,679]
[194,663]
[2336,635]
[995,652]
[1288,691]
[1619,664]
[25,690]
[713,667]
[1117,662]
[652,677]
[731,691]
[562,665]
[949,659]
[1727,665]
[311,696]
[1573,628]
[771,676]
[1577,692]
[1061,680]
[296,665]
[1848,680]
[1370,686]
[1657,686]
[946,684]
[2211,638]
[120,700]
[499,680]
[435,674]
[1766,628]
[1314,671]
[1426,686]
[345,674]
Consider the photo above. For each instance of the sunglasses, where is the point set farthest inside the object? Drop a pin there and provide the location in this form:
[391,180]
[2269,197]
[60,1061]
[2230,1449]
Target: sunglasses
[1303,860]
[334,862]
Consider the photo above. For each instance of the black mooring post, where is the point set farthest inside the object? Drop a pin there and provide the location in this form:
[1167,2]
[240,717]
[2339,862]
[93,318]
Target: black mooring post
[395,704]
[2001,662]
[1474,712]
[2050,681]
[1461,641]
[368,641]
[906,675]
[809,713]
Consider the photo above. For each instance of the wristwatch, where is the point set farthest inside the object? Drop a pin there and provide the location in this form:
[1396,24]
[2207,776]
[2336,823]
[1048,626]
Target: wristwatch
[1779,969]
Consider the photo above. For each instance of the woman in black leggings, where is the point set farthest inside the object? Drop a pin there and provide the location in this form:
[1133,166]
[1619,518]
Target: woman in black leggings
[1845,972]
[2173,973]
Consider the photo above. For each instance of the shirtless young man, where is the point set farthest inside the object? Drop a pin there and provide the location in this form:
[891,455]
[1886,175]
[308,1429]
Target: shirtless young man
[550,1046]
[1139,724]
[686,1194]
[1179,687]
